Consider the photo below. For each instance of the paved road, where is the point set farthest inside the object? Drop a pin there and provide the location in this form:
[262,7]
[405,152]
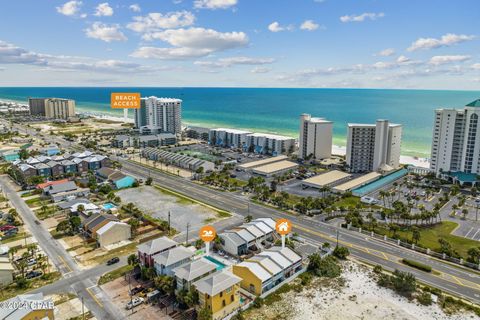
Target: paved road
[82,283]
[454,279]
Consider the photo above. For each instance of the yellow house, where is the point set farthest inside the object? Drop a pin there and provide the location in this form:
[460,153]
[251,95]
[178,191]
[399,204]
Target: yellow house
[219,293]
[32,307]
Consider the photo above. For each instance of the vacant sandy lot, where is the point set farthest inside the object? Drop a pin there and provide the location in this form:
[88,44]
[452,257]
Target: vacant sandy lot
[358,298]
[159,204]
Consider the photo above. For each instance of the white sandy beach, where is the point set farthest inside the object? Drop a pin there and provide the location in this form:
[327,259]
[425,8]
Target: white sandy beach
[359,298]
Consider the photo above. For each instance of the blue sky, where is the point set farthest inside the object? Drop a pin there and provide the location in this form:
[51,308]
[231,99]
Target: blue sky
[428,44]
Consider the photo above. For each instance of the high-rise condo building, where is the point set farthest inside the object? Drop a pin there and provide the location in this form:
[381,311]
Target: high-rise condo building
[52,108]
[456,140]
[157,115]
[373,147]
[315,138]
[269,144]
[227,137]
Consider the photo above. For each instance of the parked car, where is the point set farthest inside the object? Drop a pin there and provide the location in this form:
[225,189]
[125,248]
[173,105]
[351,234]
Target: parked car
[135,302]
[477,201]
[37,222]
[136,290]
[31,262]
[113,261]
[33,274]
[7,227]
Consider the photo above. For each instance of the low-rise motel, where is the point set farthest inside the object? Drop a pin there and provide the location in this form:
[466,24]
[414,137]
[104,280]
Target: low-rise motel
[218,282]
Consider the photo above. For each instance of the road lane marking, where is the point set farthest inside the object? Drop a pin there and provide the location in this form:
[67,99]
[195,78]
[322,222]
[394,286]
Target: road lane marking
[473,237]
[466,235]
[90,292]
[65,263]
[457,280]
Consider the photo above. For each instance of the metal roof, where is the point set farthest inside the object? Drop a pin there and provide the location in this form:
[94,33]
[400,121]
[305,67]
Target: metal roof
[194,269]
[157,245]
[172,256]
[216,283]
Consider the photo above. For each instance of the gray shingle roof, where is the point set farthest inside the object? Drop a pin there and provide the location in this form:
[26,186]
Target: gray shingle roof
[172,256]
[156,245]
[216,283]
[195,269]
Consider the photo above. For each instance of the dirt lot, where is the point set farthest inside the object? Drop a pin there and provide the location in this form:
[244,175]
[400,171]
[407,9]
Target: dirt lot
[117,291]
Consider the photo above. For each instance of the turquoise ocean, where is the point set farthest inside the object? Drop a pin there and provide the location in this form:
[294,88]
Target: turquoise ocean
[277,110]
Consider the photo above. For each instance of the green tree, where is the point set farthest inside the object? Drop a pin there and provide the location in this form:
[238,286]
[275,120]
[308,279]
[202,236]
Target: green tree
[204,314]
[324,267]
[165,284]
[341,252]
[415,234]
[248,218]
[132,260]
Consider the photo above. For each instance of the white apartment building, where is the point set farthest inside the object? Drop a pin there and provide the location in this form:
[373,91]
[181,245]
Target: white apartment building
[373,147]
[269,144]
[456,140]
[226,137]
[158,115]
[52,108]
[315,137]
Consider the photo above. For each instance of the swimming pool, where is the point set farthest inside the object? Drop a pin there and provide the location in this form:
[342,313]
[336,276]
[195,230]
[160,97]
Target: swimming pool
[366,189]
[220,265]
[109,206]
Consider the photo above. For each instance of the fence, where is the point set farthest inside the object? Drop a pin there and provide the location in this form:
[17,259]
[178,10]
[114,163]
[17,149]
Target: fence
[417,248]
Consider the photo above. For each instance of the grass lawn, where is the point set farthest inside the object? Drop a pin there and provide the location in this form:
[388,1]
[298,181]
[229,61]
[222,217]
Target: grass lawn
[429,237]
[112,275]
[352,202]
[18,236]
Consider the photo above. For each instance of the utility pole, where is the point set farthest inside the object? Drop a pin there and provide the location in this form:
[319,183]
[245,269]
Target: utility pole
[169,222]
[186,240]
[476,211]
[337,237]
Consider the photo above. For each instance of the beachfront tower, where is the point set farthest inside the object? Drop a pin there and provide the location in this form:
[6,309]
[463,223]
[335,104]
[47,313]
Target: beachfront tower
[159,115]
[456,142]
[315,138]
[373,147]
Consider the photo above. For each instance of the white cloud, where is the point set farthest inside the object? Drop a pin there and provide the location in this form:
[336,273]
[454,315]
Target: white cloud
[105,32]
[476,66]
[231,61]
[309,25]
[276,27]
[103,10]
[70,8]
[214,4]
[446,40]
[386,52]
[403,59]
[439,60]
[261,70]
[362,17]
[157,21]
[11,54]
[190,43]
[135,7]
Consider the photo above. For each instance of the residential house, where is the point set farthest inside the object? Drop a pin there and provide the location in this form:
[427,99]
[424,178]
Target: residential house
[193,271]
[248,236]
[51,150]
[56,168]
[42,169]
[92,224]
[268,269]
[118,179]
[219,293]
[69,166]
[166,261]
[6,271]
[82,164]
[147,250]
[26,171]
[112,233]
[65,191]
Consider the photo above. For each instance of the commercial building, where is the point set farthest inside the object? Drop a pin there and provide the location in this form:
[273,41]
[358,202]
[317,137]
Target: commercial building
[248,237]
[229,138]
[113,233]
[456,142]
[177,159]
[157,115]
[315,138]
[166,261]
[52,108]
[219,293]
[357,182]
[373,147]
[326,179]
[199,133]
[268,269]
[269,144]
[254,164]
[193,271]
[147,250]
[275,168]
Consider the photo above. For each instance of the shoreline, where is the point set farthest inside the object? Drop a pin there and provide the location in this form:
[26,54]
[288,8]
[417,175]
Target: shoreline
[416,160]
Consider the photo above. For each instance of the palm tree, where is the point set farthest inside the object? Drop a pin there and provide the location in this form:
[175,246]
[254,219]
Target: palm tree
[415,234]
[12,251]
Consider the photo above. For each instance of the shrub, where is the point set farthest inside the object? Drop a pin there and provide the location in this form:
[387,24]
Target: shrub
[326,267]
[418,265]
[305,278]
[258,302]
[425,298]
[341,252]
[378,269]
